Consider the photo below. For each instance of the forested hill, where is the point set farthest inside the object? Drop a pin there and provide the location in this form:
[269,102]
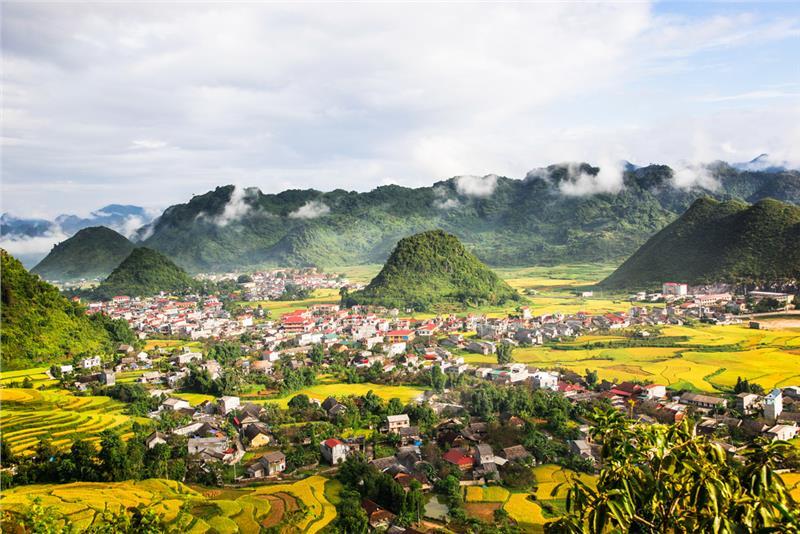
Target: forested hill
[39,325]
[431,270]
[537,220]
[145,272]
[91,253]
[719,241]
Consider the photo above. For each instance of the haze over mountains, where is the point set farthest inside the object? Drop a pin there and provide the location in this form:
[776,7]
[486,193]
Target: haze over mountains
[30,239]
[563,213]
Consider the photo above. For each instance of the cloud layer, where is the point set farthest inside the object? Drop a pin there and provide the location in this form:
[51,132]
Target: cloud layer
[152,103]
[310,210]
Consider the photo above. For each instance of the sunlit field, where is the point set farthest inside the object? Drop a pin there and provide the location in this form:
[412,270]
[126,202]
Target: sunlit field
[340,389]
[768,358]
[190,509]
[29,415]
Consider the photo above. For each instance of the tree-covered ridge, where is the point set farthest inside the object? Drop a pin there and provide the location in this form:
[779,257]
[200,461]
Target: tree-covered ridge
[91,253]
[519,222]
[719,241]
[145,272]
[433,269]
[39,325]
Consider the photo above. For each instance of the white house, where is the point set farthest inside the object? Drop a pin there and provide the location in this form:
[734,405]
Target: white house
[94,361]
[773,404]
[545,380]
[782,432]
[174,404]
[395,422]
[227,404]
[333,451]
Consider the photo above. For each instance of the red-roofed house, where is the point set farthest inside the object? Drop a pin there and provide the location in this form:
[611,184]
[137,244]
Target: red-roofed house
[333,451]
[399,336]
[457,457]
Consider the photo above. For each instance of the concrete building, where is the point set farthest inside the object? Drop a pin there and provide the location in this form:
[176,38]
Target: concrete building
[747,403]
[333,451]
[773,404]
[395,422]
[675,289]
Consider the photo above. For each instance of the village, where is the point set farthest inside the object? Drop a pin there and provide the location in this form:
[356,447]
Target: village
[445,429]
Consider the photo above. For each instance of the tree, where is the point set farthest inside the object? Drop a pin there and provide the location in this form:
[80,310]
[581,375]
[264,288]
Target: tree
[82,454]
[437,378]
[505,353]
[113,458]
[351,517]
[317,353]
[413,504]
[591,377]
[658,478]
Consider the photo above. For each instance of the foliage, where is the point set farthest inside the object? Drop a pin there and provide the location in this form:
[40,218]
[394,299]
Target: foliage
[719,241]
[505,354]
[39,325]
[659,478]
[429,270]
[523,222]
[145,272]
[91,253]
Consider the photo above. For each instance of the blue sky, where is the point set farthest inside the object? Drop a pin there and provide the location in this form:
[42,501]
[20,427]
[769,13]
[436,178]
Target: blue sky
[149,104]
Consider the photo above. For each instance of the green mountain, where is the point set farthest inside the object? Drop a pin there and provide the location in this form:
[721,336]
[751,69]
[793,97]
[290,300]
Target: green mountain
[432,270]
[39,325]
[718,241]
[91,253]
[546,218]
[145,272]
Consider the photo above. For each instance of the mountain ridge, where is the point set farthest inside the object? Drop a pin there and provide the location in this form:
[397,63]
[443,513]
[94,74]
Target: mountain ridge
[715,241]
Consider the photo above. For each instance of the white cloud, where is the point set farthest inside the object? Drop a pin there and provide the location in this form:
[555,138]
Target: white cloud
[579,183]
[310,210]
[235,209]
[476,186]
[147,144]
[689,175]
[126,100]
[18,245]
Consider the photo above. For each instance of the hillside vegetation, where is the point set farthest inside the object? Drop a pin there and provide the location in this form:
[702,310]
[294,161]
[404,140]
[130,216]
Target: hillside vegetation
[431,270]
[91,253]
[39,325]
[718,241]
[145,272]
[539,220]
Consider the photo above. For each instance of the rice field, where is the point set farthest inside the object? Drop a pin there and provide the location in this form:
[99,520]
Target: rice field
[29,415]
[195,510]
[341,389]
[768,358]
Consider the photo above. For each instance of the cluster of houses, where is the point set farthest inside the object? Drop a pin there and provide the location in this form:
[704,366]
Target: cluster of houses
[194,317]
[718,303]
[269,285]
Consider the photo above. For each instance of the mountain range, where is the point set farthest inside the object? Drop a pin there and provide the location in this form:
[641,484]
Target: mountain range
[718,242]
[562,213]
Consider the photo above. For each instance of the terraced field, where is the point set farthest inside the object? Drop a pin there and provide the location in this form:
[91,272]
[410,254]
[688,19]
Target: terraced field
[769,358]
[29,415]
[306,506]
[524,508]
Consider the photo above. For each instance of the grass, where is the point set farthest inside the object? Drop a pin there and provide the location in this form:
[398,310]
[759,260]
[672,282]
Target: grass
[204,510]
[341,389]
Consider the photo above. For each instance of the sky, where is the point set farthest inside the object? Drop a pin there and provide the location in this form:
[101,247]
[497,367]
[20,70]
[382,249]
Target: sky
[151,103]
